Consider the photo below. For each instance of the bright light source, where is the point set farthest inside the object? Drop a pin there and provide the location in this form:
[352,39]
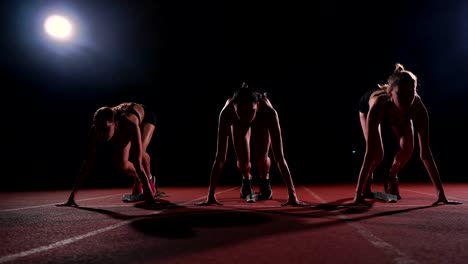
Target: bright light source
[58,27]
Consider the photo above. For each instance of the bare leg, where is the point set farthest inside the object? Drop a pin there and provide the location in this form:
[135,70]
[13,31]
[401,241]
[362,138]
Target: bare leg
[127,167]
[367,168]
[367,187]
[241,142]
[405,137]
[261,147]
[147,131]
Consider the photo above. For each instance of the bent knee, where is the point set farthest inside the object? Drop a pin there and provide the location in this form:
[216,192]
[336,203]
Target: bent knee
[376,159]
[146,157]
[219,161]
[425,155]
[126,167]
[263,161]
[404,155]
[244,166]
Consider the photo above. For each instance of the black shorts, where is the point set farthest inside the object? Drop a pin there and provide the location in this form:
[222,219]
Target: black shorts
[150,116]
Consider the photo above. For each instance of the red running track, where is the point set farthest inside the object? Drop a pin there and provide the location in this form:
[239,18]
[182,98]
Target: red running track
[105,230]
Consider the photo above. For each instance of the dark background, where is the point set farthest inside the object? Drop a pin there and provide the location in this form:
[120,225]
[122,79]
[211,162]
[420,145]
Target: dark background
[184,59]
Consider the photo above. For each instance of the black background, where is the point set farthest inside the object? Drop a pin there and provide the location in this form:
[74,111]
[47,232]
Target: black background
[184,59]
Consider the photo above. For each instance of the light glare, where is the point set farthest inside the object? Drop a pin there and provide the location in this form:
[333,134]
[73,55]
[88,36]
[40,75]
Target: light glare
[58,27]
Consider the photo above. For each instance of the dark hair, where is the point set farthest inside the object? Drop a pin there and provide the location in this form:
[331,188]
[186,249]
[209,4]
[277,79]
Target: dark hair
[104,113]
[400,76]
[245,94]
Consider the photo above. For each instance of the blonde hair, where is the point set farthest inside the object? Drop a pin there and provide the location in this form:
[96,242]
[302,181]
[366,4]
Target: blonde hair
[399,75]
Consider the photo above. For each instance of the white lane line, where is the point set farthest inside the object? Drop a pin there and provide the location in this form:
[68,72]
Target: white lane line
[61,243]
[260,206]
[99,197]
[393,205]
[83,236]
[45,205]
[433,195]
[399,256]
[203,197]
